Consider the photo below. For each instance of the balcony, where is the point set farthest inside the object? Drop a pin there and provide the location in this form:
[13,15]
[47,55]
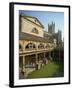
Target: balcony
[36,50]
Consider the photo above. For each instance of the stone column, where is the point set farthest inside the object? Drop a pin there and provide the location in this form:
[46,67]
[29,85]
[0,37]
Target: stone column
[36,57]
[44,54]
[50,55]
[23,63]
[37,66]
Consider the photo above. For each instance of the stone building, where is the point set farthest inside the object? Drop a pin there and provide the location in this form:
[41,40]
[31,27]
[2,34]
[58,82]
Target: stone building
[51,28]
[58,37]
[33,46]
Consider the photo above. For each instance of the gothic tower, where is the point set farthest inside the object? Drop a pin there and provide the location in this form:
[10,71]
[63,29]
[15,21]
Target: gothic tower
[51,28]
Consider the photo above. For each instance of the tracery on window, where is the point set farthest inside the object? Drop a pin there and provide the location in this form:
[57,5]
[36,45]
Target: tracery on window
[41,45]
[34,30]
[30,46]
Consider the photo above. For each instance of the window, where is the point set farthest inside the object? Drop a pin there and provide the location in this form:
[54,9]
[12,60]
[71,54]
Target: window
[47,46]
[34,30]
[35,20]
[30,46]
[41,45]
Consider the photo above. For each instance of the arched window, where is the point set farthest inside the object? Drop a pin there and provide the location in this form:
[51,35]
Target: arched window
[30,46]
[47,46]
[34,30]
[41,45]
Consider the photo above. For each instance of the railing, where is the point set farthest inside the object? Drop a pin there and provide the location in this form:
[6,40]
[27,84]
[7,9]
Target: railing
[35,50]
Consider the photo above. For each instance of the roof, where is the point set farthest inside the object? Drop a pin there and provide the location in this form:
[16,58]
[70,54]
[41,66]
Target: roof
[49,34]
[29,37]
[26,17]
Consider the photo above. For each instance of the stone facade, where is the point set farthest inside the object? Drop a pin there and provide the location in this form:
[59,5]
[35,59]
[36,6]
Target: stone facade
[51,28]
[28,25]
[34,48]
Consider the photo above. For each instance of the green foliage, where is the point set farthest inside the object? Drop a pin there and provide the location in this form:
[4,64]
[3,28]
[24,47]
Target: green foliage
[59,48]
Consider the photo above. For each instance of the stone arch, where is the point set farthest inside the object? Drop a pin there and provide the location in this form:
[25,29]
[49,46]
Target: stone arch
[30,46]
[47,46]
[20,46]
[41,45]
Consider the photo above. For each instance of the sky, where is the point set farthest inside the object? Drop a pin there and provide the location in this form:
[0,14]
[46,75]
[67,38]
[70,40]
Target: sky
[46,17]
